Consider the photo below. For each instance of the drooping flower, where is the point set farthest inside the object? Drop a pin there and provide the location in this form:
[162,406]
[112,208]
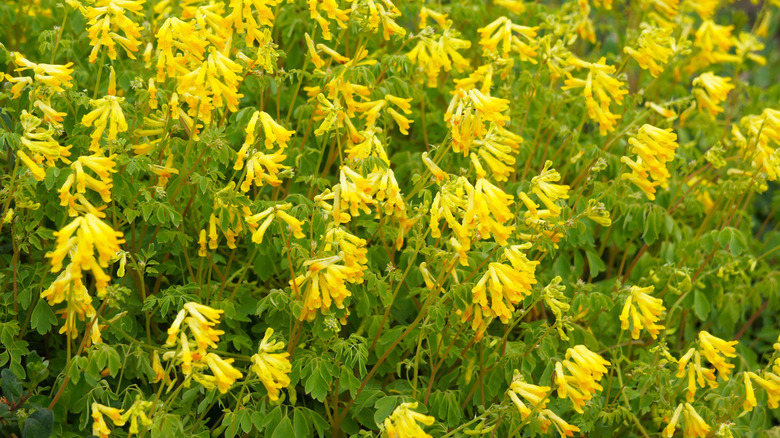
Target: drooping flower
[502,31]
[272,367]
[710,91]
[668,431]
[654,147]
[105,19]
[695,427]
[533,394]
[600,83]
[507,284]
[107,114]
[716,351]
[402,423]
[644,311]
[655,47]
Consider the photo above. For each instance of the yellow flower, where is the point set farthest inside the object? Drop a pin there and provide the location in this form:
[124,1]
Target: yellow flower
[750,396]
[771,385]
[535,395]
[152,89]
[223,370]
[605,87]
[353,193]
[488,212]
[202,251]
[137,413]
[58,77]
[273,368]
[542,185]
[99,427]
[502,31]
[402,423]
[564,428]
[315,58]
[714,42]
[330,7]
[585,372]
[716,351]
[656,46]
[668,431]
[694,424]
[434,54]
[438,17]
[403,122]
[108,17]
[508,284]
[40,142]
[498,149]
[514,6]
[655,147]
[439,174]
[325,285]
[107,113]
[159,371]
[710,90]
[645,312]
[37,172]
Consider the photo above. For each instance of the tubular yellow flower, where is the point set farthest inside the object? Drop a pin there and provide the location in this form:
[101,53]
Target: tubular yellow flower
[605,87]
[107,113]
[645,312]
[37,172]
[403,122]
[771,385]
[402,423]
[272,367]
[695,426]
[508,285]
[99,426]
[223,370]
[502,31]
[434,55]
[710,91]
[159,371]
[488,212]
[716,351]
[542,185]
[325,282]
[315,58]
[656,46]
[668,431]
[108,17]
[202,251]
[439,174]
[498,149]
[58,77]
[535,395]
[41,143]
[655,147]
[564,428]
[714,42]
[438,17]
[750,396]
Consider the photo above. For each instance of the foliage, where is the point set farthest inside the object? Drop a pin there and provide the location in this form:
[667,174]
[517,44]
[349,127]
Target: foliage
[330,218]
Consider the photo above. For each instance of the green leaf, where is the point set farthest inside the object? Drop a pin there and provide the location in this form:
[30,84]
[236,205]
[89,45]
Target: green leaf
[384,407]
[284,429]
[12,387]
[43,318]
[39,425]
[701,305]
[594,262]
[652,225]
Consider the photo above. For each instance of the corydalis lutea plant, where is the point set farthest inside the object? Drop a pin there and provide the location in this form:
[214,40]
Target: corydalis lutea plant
[269,218]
